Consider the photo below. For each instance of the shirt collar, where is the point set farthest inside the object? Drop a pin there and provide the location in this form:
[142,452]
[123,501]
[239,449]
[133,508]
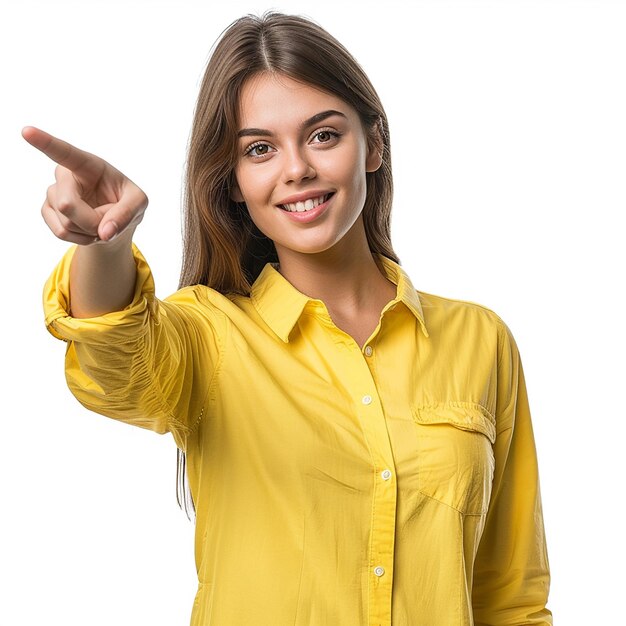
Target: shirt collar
[280,304]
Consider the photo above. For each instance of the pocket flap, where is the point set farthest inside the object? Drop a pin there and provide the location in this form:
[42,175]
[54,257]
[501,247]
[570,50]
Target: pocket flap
[464,415]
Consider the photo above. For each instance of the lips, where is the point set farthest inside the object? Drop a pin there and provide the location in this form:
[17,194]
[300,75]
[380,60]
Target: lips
[301,206]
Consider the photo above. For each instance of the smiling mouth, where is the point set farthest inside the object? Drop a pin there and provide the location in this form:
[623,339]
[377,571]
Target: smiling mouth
[307,205]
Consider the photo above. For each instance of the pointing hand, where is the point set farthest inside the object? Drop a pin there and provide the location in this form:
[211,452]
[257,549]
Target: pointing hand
[90,202]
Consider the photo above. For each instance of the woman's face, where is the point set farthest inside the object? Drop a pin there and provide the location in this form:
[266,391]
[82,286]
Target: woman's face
[303,155]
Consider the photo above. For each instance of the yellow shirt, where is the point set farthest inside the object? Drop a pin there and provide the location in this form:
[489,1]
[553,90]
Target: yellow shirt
[334,486]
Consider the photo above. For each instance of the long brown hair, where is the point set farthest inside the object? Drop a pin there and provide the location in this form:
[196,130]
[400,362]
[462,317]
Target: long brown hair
[222,247]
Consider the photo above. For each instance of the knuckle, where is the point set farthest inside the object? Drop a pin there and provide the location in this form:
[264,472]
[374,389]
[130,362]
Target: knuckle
[123,217]
[60,231]
[129,214]
[64,206]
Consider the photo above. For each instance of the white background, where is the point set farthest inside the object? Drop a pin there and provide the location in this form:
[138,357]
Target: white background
[509,150]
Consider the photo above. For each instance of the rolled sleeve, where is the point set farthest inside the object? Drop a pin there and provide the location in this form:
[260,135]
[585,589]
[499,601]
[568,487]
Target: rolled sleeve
[511,570]
[113,327]
[150,364]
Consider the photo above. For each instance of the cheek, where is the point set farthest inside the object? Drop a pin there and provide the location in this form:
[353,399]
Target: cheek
[355,177]
[349,169]
[255,183]
[257,197]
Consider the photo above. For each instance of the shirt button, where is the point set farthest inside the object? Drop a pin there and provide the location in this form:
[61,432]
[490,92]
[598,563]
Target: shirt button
[367,400]
[379,571]
[368,351]
[386,474]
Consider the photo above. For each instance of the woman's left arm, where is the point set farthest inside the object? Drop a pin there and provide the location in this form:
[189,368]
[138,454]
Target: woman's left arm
[511,570]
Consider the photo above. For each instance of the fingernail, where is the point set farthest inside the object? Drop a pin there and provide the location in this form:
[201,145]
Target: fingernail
[109,231]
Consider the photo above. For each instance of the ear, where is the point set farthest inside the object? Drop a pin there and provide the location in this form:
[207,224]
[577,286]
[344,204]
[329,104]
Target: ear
[375,148]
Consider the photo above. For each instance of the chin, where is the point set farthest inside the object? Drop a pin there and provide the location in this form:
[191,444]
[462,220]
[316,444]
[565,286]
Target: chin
[312,247]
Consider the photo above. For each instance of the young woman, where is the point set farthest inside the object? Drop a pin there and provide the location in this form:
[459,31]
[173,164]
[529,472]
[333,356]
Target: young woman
[358,452]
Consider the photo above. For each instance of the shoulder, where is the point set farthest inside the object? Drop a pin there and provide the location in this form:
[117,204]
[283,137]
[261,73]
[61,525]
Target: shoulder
[197,294]
[198,301]
[208,302]
[465,320]
[443,307]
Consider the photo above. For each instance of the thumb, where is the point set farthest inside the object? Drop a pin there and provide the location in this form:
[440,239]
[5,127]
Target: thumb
[108,230]
[118,216]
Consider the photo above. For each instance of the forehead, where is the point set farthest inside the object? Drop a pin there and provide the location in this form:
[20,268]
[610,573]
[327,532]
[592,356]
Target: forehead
[269,100]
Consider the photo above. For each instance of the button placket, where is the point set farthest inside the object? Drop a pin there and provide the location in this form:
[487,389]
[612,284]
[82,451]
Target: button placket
[372,418]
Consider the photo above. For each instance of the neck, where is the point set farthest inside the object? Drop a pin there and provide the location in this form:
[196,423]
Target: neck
[348,278]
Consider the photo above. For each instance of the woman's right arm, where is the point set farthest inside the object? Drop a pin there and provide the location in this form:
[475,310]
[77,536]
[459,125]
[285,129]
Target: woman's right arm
[131,357]
[94,205]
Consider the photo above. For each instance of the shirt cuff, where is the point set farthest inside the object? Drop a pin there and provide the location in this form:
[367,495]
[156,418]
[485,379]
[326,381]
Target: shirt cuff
[121,326]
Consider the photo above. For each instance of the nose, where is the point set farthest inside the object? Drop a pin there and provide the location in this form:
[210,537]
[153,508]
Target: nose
[297,166]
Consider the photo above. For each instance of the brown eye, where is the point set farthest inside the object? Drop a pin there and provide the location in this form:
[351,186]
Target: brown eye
[258,150]
[325,136]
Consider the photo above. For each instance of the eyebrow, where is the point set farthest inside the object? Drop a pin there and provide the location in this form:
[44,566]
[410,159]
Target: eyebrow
[315,119]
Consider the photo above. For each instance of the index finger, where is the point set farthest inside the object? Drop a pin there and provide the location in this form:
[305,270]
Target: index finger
[60,151]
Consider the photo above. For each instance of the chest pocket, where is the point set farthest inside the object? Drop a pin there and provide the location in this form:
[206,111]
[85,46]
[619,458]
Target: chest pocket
[455,462]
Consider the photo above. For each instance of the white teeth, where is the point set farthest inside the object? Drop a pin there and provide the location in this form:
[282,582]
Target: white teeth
[307,205]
